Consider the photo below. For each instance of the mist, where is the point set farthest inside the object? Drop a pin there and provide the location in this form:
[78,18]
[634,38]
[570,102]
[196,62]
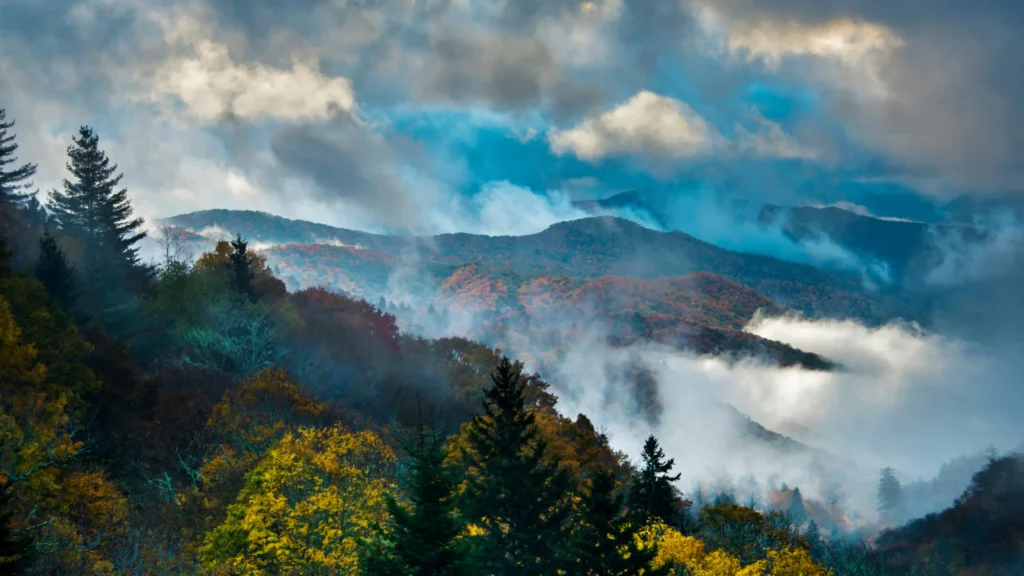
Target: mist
[903,397]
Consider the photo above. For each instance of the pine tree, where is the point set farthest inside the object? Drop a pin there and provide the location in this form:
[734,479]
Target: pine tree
[241,270]
[13,181]
[15,552]
[797,511]
[813,535]
[517,494]
[890,495]
[53,270]
[92,209]
[652,492]
[423,538]
[607,544]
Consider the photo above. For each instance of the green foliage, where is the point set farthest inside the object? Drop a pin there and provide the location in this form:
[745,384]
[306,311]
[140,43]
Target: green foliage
[608,543]
[424,535]
[652,492]
[13,179]
[515,492]
[240,340]
[241,271]
[94,210]
[744,532]
[56,274]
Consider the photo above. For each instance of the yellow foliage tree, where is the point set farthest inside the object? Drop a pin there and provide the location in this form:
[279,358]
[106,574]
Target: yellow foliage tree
[76,518]
[252,418]
[305,506]
[688,554]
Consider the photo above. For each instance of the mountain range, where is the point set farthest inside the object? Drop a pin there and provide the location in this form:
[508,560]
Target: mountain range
[908,249]
[643,284]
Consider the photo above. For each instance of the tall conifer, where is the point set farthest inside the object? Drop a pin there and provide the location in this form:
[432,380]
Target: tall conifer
[516,493]
[607,543]
[54,271]
[93,209]
[426,535]
[652,492]
[14,179]
[241,269]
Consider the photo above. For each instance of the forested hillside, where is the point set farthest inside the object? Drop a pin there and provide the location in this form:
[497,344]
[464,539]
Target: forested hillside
[197,417]
[587,248]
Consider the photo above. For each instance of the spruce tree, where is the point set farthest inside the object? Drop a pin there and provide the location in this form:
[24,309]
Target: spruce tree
[54,271]
[652,492]
[607,542]
[92,206]
[890,495]
[797,511]
[93,209]
[516,492]
[14,180]
[241,269]
[813,535]
[423,535]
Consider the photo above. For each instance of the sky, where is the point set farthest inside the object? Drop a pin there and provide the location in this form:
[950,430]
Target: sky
[410,114]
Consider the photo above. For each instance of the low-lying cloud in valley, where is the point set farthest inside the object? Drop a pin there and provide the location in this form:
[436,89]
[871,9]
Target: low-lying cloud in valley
[903,398]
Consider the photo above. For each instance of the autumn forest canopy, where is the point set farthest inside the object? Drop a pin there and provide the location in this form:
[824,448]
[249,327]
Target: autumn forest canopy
[197,415]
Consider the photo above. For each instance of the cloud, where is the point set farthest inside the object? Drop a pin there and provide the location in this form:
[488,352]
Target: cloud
[646,124]
[931,88]
[213,87]
[715,218]
[964,257]
[771,141]
[845,40]
[904,398]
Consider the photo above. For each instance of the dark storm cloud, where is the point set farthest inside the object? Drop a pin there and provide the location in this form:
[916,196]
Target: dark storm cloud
[344,161]
[956,83]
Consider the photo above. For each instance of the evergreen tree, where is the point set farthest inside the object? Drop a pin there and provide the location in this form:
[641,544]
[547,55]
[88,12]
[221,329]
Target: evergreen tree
[797,511]
[92,207]
[890,495]
[13,180]
[15,552]
[241,269]
[382,304]
[53,270]
[94,210]
[423,537]
[607,544]
[516,493]
[813,535]
[652,492]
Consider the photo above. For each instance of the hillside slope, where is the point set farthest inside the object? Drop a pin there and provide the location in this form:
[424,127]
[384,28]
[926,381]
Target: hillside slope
[586,248]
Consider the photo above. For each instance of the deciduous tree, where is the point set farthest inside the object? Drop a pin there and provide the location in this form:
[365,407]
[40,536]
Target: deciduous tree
[305,506]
